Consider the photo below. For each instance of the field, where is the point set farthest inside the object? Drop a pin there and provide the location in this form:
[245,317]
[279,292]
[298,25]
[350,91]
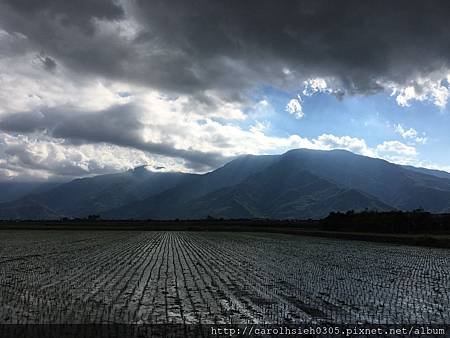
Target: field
[217,277]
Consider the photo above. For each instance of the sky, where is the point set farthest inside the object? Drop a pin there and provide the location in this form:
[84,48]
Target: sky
[101,86]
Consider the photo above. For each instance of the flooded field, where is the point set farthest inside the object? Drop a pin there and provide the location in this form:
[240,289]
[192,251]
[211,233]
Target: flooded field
[217,277]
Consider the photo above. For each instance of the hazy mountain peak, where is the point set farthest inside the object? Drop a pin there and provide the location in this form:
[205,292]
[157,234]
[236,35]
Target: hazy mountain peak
[140,168]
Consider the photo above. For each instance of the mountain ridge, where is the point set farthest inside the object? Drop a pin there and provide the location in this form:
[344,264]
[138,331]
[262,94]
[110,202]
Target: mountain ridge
[300,183]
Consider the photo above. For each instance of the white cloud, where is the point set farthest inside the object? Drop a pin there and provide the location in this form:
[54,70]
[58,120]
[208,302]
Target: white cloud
[433,88]
[310,87]
[25,85]
[395,147]
[410,134]
[41,157]
[316,85]
[294,107]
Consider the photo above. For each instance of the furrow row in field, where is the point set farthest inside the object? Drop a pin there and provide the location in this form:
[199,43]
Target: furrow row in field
[343,283]
[35,297]
[219,281]
[71,293]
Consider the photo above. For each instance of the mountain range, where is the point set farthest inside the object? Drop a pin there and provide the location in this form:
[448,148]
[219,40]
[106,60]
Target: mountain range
[300,183]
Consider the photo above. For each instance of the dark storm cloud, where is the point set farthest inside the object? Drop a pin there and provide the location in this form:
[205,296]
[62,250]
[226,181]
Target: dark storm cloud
[69,13]
[359,42]
[48,63]
[118,125]
[230,46]
[66,31]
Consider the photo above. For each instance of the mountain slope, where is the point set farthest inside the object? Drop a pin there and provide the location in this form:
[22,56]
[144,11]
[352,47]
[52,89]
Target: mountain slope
[10,191]
[93,195]
[167,204]
[390,183]
[291,195]
[432,172]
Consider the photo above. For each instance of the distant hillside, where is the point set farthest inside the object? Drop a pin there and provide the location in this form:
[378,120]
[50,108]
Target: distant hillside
[300,184]
[26,209]
[93,195]
[11,190]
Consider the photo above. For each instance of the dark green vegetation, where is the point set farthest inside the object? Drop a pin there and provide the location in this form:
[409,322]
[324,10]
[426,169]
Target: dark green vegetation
[299,184]
[215,277]
[396,222]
